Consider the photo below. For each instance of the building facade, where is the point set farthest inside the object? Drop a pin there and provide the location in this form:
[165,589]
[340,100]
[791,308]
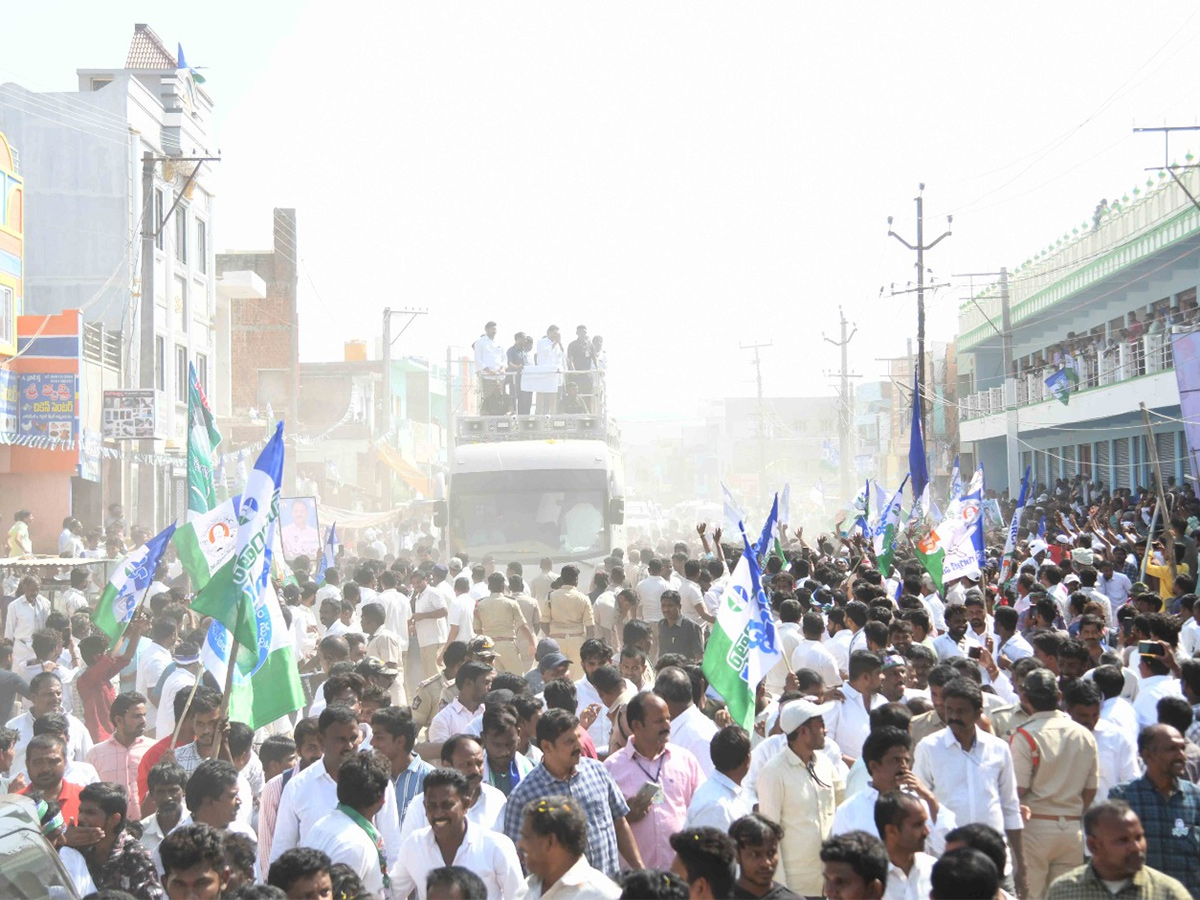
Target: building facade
[1101,302]
[119,221]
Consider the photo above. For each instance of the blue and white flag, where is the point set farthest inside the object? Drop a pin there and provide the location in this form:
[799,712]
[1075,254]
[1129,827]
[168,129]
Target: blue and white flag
[763,547]
[831,456]
[1010,540]
[955,482]
[328,555]
[734,516]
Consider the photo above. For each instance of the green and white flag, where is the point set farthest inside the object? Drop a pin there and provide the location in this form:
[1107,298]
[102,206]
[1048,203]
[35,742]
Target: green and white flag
[742,648]
[203,438]
[206,543]
[883,536]
[129,583]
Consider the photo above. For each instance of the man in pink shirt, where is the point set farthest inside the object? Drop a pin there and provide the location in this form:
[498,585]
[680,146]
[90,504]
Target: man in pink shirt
[658,779]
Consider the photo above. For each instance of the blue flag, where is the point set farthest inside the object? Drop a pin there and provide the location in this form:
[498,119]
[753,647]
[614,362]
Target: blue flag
[955,482]
[763,547]
[917,466]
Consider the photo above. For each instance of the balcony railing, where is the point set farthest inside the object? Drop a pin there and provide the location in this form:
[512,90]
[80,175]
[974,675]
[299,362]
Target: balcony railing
[1147,355]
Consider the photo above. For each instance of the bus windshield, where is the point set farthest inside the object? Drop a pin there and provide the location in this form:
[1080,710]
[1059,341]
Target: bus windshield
[538,513]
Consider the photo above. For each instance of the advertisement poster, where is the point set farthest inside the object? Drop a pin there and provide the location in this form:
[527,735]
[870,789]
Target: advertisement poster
[299,530]
[9,388]
[47,405]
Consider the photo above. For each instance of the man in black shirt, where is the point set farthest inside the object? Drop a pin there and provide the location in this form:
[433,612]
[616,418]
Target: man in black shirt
[518,358]
[757,840]
[579,359]
[677,634]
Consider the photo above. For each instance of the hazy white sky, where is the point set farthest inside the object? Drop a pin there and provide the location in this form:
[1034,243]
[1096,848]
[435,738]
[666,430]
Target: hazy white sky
[680,176]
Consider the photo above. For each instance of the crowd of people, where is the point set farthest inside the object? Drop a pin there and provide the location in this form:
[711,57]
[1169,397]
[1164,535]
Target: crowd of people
[563,380]
[475,730]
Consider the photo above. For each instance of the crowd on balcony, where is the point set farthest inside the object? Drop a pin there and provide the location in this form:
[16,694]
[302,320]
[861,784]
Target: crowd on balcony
[545,379]
[1122,349]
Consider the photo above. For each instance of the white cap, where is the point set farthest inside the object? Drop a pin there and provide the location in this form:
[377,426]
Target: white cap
[797,712]
[1038,546]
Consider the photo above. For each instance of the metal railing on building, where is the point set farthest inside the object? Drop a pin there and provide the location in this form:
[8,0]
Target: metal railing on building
[101,346]
[1121,362]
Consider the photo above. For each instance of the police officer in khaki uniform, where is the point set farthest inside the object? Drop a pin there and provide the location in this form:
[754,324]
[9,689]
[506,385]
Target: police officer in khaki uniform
[1007,719]
[500,618]
[567,614]
[438,691]
[1057,767]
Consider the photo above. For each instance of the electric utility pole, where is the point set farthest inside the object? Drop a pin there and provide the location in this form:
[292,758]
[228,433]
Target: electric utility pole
[920,247]
[385,427]
[845,403]
[1167,165]
[1009,376]
[762,421]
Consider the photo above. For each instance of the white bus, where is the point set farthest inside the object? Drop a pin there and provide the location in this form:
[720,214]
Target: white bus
[524,488]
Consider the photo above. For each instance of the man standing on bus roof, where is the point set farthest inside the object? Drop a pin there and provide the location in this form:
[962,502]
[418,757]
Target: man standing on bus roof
[550,352]
[568,614]
[489,356]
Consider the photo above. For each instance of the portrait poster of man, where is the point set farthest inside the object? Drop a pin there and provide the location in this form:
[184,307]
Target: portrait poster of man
[298,527]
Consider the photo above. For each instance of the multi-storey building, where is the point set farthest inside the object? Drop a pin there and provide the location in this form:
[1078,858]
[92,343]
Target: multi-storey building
[119,212]
[1101,301]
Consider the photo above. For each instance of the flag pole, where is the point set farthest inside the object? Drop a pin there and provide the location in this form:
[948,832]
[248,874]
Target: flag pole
[186,707]
[233,649]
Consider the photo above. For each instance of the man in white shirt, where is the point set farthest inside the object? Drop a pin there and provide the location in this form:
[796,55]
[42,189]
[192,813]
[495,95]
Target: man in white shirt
[461,613]
[45,696]
[186,657]
[721,800]
[690,728]
[385,647]
[849,722]
[155,658]
[490,358]
[550,352]
[485,804]
[971,771]
[933,603]
[1115,585]
[1116,749]
[905,831]
[1115,708]
[429,613]
[811,653]
[26,615]
[691,596]
[788,638]
[840,635]
[479,585]
[650,590]
[450,839]
[474,679]
[397,609]
[1157,682]
[347,834]
[311,794]
[553,840]
[1010,643]
[72,599]
[956,640]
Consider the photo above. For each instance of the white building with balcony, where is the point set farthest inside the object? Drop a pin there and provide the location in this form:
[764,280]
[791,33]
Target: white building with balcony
[1102,301]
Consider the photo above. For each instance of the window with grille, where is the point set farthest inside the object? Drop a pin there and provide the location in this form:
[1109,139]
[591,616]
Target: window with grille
[181,373]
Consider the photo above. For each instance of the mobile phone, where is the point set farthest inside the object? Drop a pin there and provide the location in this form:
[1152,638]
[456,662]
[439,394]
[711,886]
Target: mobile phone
[975,652]
[1127,626]
[1149,648]
[649,792]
